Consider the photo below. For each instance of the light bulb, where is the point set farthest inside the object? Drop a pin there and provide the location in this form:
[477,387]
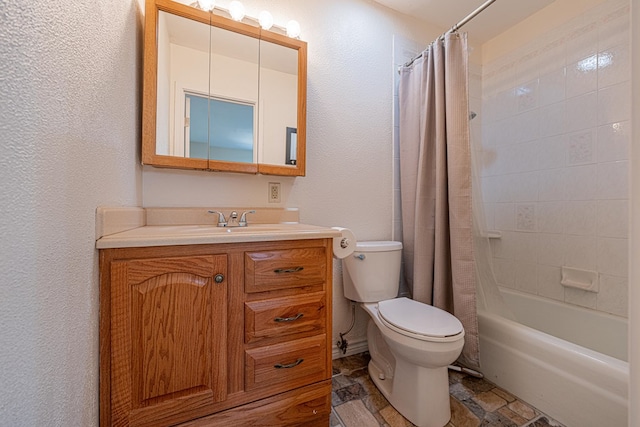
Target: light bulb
[207,5]
[265,19]
[293,29]
[236,9]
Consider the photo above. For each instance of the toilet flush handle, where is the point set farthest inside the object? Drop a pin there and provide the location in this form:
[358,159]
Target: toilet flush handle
[361,257]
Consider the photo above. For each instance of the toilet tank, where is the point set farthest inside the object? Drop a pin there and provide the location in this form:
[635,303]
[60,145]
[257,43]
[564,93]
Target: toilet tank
[372,272]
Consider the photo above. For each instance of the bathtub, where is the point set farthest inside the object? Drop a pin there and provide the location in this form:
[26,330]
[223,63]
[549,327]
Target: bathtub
[576,385]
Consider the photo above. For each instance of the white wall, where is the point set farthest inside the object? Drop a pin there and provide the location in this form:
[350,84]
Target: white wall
[634,235]
[556,131]
[349,130]
[69,125]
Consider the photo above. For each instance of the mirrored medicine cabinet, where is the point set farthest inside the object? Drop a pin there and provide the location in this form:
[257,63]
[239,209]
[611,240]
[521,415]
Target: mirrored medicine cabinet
[221,95]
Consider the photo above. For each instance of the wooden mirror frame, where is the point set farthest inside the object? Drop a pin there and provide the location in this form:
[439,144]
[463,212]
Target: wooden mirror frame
[150,81]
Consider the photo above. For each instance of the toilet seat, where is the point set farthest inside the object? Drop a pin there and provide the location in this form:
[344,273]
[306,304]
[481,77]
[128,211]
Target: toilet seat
[418,320]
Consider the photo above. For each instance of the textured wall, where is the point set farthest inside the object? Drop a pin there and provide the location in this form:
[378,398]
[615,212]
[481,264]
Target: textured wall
[69,126]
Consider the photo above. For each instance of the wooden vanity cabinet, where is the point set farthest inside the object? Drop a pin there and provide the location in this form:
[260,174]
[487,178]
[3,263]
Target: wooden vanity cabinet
[220,334]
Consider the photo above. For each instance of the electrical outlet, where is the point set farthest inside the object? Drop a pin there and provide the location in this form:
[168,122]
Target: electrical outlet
[274,192]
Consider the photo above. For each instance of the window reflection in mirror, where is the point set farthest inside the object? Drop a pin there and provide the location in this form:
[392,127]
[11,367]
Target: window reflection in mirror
[219,129]
[207,80]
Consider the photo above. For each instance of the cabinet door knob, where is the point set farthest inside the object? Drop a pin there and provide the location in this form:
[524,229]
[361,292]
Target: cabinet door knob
[290,365]
[219,278]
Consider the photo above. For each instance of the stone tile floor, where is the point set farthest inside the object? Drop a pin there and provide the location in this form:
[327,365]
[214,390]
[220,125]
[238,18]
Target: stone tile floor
[475,402]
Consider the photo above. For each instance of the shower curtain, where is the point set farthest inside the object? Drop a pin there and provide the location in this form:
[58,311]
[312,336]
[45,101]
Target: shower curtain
[435,180]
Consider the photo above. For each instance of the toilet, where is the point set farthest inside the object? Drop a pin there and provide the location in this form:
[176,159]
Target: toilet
[411,343]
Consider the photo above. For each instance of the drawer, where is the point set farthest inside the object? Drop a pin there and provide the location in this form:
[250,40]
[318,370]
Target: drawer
[283,269]
[306,406]
[287,365]
[280,317]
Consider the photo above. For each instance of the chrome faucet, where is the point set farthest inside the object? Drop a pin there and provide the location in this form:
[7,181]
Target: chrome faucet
[243,218]
[233,219]
[222,221]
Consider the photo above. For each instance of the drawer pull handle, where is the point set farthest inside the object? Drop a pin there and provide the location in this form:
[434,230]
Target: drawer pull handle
[288,319]
[290,365]
[288,270]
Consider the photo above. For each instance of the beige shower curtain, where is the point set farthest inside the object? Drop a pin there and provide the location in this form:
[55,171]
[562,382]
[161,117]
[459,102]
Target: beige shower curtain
[435,179]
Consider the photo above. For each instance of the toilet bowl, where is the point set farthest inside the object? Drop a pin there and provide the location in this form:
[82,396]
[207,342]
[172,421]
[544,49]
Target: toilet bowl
[411,343]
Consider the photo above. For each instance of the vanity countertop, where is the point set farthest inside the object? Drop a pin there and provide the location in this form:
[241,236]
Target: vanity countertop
[168,235]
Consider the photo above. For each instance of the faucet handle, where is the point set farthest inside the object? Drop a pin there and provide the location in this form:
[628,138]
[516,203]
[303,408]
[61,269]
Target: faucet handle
[243,218]
[222,221]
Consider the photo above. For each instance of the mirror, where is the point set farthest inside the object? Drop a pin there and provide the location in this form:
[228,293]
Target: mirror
[221,95]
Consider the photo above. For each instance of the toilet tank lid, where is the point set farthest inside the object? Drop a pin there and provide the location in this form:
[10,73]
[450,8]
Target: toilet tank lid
[378,246]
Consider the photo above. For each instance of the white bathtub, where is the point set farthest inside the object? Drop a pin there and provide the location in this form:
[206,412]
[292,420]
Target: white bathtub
[576,385]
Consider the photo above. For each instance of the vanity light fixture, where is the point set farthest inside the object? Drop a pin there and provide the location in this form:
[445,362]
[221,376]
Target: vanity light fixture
[236,10]
[207,5]
[293,29]
[265,19]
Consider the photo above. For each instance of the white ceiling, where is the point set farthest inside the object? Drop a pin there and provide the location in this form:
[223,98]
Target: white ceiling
[498,17]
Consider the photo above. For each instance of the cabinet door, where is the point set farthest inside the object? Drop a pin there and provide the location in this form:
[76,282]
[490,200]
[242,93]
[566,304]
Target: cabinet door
[168,338]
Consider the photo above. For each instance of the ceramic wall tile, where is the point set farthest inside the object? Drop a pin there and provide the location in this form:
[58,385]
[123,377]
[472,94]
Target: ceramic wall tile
[613,256]
[613,295]
[553,119]
[613,180]
[579,297]
[549,282]
[551,152]
[504,216]
[580,218]
[581,112]
[613,141]
[551,217]
[551,249]
[614,65]
[581,182]
[552,87]
[581,147]
[581,252]
[614,103]
[582,76]
[613,218]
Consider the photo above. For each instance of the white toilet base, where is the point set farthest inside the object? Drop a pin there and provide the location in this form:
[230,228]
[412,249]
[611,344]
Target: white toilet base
[420,394]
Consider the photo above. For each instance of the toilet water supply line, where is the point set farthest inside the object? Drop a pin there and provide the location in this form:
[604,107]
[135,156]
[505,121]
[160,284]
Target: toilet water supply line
[342,342]
[466,371]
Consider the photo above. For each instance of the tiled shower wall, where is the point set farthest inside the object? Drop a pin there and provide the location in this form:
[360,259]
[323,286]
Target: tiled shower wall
[555,135]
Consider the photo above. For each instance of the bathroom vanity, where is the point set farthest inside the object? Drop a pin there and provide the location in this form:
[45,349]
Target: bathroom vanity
[201,326]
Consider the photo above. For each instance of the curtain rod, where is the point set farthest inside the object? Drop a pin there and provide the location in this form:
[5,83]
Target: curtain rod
[456,27]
